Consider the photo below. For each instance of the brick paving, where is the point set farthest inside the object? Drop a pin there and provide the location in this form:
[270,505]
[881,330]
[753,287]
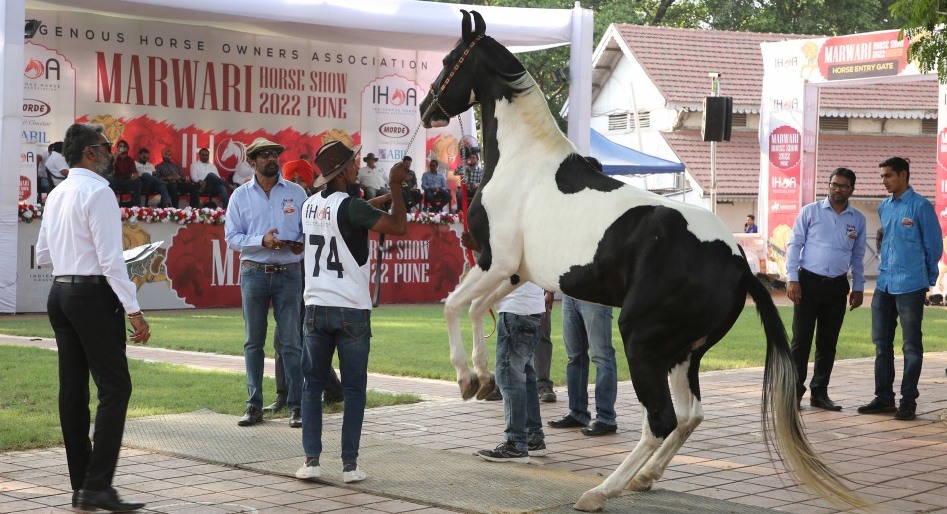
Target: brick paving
[901,466]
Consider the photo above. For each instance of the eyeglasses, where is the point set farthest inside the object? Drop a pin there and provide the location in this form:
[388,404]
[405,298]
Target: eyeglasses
[835,186]
[107,145]
[266,154]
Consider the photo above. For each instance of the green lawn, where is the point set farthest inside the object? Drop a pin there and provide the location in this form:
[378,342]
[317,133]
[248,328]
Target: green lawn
[411,340]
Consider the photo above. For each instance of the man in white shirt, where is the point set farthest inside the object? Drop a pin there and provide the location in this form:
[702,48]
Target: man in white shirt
[81,240]
[205,174]
[56,166]
[372,178]
[150,183]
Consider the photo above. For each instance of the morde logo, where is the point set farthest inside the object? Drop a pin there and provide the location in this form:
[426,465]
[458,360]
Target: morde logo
[33,108]
[393,129]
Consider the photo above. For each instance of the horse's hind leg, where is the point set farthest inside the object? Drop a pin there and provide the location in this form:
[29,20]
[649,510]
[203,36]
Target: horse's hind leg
[478,308]
[689,415]
[644,338]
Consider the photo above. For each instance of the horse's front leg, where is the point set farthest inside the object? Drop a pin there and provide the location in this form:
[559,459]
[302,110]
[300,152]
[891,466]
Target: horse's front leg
[478,308]
[472,287]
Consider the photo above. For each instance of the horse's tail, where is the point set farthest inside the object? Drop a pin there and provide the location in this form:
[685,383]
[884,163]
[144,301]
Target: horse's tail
[780,411]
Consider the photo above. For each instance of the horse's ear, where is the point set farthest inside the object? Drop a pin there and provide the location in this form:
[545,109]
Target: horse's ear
[465,27]
[480,28]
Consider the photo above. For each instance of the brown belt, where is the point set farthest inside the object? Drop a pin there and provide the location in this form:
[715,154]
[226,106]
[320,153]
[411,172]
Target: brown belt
[81,279]
[270,268]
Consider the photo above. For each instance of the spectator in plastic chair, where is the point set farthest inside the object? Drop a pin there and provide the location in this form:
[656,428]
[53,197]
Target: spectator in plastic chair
[372,178]
[149,182]
[176,181]
[412,193]
[205,174]
[471,173]
[434,185]
[125,179]
[56,167]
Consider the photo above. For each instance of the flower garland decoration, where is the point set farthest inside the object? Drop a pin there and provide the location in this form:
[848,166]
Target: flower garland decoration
[433,218]
[29,212]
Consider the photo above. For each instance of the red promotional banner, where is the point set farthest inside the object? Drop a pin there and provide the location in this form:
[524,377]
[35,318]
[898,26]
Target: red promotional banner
[875,54]
[422,266]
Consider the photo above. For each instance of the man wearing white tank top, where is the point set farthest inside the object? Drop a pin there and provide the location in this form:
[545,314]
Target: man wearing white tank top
[338,303]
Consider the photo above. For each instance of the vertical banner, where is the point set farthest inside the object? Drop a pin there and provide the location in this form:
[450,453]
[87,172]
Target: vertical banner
[940,183]
[785,164]
[793,71]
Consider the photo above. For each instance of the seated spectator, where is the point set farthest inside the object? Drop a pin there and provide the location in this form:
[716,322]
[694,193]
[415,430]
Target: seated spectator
[173,177]
[372,179]
[43,185]
[471,172]
[242,174]
[207,178]
[150,184]
[436,193]
[125,179]
[412,193]
[56,167]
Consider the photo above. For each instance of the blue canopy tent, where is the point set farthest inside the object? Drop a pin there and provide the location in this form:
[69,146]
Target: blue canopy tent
[617,159]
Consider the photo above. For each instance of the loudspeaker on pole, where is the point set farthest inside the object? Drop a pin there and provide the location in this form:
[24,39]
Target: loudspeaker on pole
[718,118]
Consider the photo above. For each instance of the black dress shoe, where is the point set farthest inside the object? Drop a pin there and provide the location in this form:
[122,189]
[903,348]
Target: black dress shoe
[566,421]
[823,402]
[295,419]
[276,406]
[252,416]
[598,428]
[105,500]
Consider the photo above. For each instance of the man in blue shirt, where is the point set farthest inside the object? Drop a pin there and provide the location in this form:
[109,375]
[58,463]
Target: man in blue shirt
[264,222]
[828,240]
[909,246]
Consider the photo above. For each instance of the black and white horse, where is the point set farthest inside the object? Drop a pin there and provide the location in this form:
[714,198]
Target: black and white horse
[543,214]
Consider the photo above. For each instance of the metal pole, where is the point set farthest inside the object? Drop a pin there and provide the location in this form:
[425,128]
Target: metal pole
[714,91]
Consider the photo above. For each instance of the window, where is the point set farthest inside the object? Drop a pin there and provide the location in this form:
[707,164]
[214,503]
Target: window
[626,121]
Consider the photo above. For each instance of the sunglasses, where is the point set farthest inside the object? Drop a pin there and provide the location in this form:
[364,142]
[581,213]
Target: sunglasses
[266,154]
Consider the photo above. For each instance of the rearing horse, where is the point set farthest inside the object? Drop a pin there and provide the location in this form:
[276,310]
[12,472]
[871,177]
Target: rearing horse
[543,214]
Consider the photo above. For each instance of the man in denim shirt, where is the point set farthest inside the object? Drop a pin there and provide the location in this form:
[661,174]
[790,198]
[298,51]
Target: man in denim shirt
[909,245]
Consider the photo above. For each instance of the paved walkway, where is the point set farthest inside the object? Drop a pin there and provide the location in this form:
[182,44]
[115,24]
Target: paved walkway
[902,466]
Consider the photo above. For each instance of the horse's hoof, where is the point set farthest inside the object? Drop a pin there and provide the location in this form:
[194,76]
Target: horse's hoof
[486,388]
[591,501]
[640,484]
[470,389]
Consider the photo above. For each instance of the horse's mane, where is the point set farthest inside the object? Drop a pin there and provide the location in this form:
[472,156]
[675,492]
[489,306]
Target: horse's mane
[534,109]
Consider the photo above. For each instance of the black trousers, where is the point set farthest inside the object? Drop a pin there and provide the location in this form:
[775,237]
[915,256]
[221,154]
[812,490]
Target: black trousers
[820,312]
[89,323]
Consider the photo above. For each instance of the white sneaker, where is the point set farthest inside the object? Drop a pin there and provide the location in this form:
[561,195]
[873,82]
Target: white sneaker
[356,475]
[308,472]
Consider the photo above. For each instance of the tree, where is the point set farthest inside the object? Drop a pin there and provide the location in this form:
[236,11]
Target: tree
[923,26]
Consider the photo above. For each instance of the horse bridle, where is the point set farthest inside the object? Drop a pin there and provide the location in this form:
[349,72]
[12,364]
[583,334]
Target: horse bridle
[436,100]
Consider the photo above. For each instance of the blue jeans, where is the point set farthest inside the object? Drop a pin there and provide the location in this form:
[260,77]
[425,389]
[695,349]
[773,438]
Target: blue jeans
[587,328]
[325,330]
[284,290]
[886,309]
[517,336]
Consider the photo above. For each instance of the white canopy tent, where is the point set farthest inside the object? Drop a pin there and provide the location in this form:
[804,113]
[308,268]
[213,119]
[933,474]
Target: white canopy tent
[404,24]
